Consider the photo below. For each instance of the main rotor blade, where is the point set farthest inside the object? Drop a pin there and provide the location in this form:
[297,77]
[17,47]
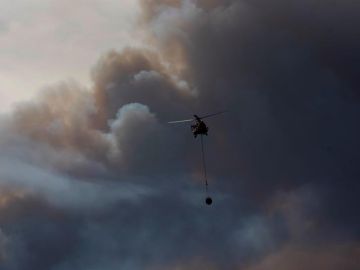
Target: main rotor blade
[213,114]
[181,121]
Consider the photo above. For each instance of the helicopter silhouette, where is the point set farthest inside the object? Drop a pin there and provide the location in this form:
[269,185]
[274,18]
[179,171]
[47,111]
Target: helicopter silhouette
[199,128]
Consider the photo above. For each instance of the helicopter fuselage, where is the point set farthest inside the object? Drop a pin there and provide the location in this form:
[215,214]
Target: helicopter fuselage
[199,128]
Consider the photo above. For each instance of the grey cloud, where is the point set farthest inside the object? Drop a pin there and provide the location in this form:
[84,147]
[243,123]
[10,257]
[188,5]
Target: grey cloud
[119,80]
[282,163]
[63,191]
[333,257]
[3,247]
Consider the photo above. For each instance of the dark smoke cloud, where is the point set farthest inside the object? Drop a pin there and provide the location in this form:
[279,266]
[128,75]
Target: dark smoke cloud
[96,179]
[333,257]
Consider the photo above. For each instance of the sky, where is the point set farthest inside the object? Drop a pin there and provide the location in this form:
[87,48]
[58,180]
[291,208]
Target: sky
[46,41]
[93,177]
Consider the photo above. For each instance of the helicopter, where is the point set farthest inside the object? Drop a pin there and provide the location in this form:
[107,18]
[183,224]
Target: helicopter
[199,128]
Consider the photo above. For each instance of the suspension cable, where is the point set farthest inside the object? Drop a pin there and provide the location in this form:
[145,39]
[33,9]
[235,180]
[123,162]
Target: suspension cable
[204,163]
